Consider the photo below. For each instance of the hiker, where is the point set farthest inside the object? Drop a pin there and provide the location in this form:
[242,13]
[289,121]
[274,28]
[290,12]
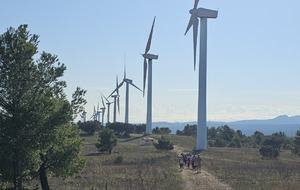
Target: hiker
[199,163]
[193,162]
[189,161]
[181,162]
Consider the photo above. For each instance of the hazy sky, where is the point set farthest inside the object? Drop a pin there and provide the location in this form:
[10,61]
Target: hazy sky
[253,53]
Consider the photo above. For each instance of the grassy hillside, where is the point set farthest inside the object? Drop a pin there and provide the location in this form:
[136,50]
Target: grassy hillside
[130,166]
[243,168]
[134,166]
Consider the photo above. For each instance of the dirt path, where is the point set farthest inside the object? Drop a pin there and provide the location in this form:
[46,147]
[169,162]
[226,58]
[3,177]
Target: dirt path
[203,180]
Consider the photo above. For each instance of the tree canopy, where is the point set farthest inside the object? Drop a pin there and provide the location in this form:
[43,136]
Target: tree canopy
[33,108]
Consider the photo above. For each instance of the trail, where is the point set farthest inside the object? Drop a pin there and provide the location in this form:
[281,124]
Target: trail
[201,181]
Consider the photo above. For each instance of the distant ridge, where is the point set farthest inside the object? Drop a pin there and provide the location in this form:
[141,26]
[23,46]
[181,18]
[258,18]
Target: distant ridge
[284,123]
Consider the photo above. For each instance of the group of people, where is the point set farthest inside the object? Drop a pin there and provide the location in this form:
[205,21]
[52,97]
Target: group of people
[190,161]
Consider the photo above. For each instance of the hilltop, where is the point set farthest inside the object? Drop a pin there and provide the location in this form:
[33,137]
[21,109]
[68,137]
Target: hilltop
[284,123]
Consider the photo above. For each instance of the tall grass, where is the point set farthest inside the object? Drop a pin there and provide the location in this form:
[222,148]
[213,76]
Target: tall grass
[134,166]
[243,168]
[130,166]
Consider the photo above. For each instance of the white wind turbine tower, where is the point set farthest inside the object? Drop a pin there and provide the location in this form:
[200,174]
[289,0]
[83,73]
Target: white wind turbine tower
[95,115]
[116,101]
[103,111]
[203,14]
[98,113]
[128,82]
[149,57]
[83,115]
[108,106]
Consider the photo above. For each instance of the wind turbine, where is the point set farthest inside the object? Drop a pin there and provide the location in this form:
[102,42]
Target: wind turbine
[83,115]
[149,57]
[94,116]
[128,82]
[203,14]
[116,101]
[98,113]
[108,106]
[103,111]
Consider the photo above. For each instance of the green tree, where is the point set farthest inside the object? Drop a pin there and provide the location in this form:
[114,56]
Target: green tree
[89,127]
[30,93]
[258,138]
[212,133]
[226,133]
[269,152]
[163,143]
[161,130]
[189,130]
[63,158]
[20,90]
[107,140]
[296,143]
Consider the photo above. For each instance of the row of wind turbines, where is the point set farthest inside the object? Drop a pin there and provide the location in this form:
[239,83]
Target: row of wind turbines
[197,14]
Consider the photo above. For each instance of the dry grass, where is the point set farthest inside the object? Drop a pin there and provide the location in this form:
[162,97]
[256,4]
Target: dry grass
[244,169]
[132,166]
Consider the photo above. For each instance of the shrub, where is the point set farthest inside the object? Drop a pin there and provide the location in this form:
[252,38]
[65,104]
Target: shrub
[107,140]
[269,152]
[164,143]
[220,143]
[89,127]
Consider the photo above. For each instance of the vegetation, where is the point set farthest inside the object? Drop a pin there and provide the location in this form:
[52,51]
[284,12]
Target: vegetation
[296,144]
[161,130]
[164,144]
[34,113]
[126,128]
[90,127]
[107,140]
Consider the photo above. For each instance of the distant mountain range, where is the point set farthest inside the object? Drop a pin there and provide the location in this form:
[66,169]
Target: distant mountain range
[284,123]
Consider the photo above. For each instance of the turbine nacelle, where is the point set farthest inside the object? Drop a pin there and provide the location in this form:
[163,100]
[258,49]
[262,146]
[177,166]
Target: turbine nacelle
[128,80]
[150,56]
[204,13]
[207,13]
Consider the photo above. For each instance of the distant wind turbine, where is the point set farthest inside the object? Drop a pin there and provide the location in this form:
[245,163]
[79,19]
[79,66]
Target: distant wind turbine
[203,14]
[149,57]
[116,101]
[128,82]
[83,115]
[108,106]
[103,111]
[95,115]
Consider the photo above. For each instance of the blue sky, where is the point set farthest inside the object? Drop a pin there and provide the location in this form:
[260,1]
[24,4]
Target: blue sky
[253,53]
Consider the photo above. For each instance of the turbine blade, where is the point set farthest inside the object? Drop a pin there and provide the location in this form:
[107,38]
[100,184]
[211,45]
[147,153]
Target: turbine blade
[195,34]
[121,84]
[189,25]
[102,102]
[104,96]
[125,66]
[112,92]
[118,104]
[145,75]
[117,84]
[136,87]
[150,38]
[196,4]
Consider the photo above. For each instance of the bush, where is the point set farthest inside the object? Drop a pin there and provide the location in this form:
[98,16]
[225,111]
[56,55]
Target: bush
[107,140]
[89,127]
[119,160]
[220,143]
[164,143]
[269,152]
[161,130]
